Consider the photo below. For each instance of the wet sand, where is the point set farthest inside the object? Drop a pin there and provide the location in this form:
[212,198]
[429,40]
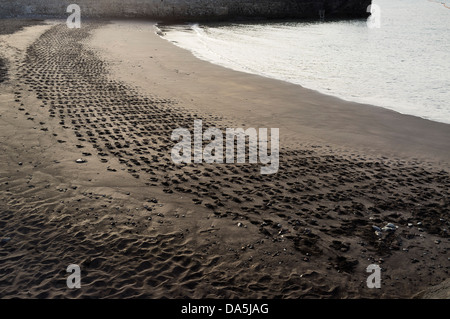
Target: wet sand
[141,226]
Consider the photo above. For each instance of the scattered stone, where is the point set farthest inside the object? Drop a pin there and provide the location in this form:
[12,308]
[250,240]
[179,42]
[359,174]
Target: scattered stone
[389,227]
[378,230]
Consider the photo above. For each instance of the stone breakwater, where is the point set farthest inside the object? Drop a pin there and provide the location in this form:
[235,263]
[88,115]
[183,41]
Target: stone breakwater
[191,9]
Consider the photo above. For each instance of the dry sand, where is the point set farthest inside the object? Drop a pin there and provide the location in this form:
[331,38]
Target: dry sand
[141,226]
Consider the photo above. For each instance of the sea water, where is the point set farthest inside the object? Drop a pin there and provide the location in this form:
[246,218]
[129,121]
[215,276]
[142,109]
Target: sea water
[404,65]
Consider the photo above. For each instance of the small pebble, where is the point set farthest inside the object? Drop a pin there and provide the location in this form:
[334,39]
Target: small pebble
[376,228]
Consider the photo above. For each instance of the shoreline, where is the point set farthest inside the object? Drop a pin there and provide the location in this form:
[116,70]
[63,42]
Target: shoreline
[162,29]
[142,227]
[342,98]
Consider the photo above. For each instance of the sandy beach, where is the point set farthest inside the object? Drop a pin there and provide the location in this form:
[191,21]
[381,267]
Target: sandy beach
[140,226]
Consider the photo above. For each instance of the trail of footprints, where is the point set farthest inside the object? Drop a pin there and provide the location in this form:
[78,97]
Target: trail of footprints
[71,81]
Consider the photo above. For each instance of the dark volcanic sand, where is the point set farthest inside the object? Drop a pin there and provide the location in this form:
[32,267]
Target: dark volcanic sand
[9,26]
[306,231]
